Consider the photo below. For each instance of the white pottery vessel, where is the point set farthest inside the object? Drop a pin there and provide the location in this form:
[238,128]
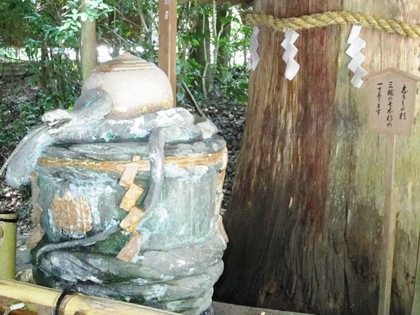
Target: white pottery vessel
[135,85]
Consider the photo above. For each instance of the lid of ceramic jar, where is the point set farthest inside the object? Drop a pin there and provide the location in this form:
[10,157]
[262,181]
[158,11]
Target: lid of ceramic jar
[125,62]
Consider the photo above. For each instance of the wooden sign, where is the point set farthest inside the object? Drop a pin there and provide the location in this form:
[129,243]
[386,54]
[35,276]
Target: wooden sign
[391,100]
[391,97]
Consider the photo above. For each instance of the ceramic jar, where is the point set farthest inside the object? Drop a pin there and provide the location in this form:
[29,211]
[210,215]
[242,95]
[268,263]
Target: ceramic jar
[135,85]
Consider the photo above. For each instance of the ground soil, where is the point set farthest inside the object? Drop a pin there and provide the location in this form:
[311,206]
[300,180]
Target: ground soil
[228,117]
[14,91]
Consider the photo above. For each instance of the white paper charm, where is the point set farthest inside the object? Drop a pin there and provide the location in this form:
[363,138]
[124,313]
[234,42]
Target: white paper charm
[254,58]
[290,51]
[355,65]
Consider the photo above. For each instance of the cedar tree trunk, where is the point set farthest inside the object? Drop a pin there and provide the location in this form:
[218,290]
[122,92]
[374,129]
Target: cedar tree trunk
[306,213]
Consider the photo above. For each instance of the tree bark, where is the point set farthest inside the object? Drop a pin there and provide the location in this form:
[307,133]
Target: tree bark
[306,212]
[88,46]
[224,29]
[201,53]
[43,78]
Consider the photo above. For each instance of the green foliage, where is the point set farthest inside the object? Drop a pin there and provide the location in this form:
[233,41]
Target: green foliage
[215,67]
[187,73]
[233,84]
[18,113]
[49,33]
[130,25]
[68,32]
[13,26]
[53,45]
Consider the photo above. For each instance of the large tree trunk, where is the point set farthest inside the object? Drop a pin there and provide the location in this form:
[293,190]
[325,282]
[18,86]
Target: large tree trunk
[306,214]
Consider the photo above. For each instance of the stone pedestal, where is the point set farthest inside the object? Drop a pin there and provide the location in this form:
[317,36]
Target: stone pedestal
[88,215]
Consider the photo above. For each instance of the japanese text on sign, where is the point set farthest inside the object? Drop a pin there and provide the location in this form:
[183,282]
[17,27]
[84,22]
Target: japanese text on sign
[391,102]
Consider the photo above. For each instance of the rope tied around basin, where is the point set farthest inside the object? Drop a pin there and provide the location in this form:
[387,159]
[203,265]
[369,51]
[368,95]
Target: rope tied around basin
[333,18]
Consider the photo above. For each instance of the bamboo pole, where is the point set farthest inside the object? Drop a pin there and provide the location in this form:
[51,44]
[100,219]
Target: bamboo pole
[8,245]
[40,300]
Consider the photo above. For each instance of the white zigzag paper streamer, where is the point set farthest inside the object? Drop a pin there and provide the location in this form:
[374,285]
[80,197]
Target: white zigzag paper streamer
[290,51]
[355,65]
[254,58]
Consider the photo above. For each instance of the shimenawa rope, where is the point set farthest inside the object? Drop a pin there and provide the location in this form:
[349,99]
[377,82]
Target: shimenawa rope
[334,18]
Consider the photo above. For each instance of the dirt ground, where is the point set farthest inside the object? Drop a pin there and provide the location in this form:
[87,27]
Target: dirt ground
[13,91]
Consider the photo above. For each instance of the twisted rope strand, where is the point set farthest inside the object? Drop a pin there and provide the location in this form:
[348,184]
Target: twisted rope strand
[334,18]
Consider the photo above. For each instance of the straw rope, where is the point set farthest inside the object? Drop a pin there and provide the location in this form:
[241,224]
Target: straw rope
[334,18]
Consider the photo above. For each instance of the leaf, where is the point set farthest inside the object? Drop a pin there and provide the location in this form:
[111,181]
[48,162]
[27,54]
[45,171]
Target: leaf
[83,17]
[65,26]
